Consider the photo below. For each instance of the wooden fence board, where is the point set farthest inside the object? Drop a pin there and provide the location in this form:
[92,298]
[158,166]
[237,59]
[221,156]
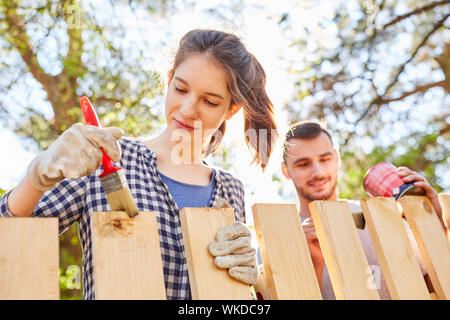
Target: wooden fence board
[29,259]
[342,251]
[398,262]
[127,256]
[207,281]
[444,200]
[287,262]
[430,237]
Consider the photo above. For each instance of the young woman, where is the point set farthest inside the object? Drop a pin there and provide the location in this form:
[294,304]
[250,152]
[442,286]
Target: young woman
[213,76]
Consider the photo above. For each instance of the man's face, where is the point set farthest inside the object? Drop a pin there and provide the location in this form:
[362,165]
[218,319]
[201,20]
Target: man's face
[312,164]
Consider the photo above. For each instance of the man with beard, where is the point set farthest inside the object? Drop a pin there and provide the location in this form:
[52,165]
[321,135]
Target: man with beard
[311,161]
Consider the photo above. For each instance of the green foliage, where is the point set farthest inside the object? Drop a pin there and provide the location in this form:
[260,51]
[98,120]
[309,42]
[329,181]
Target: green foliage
[373,75]
[89,60]
[422,153]
[70,275]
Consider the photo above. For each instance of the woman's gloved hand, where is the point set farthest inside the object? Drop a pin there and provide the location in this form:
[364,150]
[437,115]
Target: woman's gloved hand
[233,251]
[76,153]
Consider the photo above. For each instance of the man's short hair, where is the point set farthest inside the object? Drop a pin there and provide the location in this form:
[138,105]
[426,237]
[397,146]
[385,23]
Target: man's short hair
[304,130]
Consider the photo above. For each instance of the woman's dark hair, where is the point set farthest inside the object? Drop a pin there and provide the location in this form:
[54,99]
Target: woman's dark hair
[246,83]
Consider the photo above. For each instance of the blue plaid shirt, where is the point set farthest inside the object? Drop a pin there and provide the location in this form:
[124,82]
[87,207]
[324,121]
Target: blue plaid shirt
[75,200]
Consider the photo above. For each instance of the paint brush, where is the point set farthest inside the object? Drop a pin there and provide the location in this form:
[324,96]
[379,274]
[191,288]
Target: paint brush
[112,178]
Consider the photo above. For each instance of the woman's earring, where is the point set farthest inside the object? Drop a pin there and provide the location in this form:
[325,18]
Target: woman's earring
[234,110]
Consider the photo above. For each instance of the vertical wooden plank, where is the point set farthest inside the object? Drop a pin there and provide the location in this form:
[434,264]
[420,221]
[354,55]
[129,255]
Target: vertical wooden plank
[126,256]
[398,262]
[444,200]
[431,240]
[199,227]
[287,262]
[29,259]
[342,251]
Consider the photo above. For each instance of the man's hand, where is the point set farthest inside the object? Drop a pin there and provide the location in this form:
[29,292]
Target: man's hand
[233,251]
[314,248]
[74,154]
[423,186]
[261,287]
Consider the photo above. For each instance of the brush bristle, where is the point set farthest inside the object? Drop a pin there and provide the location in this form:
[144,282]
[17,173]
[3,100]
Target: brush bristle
[122,200]
[118,193]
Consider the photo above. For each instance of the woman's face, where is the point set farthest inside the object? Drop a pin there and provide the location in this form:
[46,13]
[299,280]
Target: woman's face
[198,99]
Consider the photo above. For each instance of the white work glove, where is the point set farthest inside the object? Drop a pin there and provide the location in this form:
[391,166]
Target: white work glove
[233,251]
[76,153]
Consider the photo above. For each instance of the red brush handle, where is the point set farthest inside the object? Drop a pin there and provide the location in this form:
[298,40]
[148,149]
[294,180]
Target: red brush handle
[91,118]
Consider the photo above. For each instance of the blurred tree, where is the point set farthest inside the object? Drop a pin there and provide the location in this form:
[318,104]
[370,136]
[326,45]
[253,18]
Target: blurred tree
[378,72]
[54,52]
[71,50]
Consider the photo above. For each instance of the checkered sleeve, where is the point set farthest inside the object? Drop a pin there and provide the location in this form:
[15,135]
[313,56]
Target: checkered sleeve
[234,192]
[4,211]
[65,201]
[240,200]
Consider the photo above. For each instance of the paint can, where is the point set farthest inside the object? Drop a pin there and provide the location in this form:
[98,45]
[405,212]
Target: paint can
[383,180]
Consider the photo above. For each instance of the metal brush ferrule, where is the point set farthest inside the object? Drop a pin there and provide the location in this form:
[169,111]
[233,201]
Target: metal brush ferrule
[114,181]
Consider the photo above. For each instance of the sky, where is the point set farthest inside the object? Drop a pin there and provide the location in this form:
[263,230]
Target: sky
[262,36]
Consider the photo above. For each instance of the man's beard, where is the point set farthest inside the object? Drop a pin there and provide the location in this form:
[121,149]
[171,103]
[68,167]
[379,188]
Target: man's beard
[306,195]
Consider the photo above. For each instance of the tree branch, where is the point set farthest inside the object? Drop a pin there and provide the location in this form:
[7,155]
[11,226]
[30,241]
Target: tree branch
[61,88]
[439,24]
[73,65]
[416,11]
[104,99]
[19,39]
[377,100]
[417,89]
